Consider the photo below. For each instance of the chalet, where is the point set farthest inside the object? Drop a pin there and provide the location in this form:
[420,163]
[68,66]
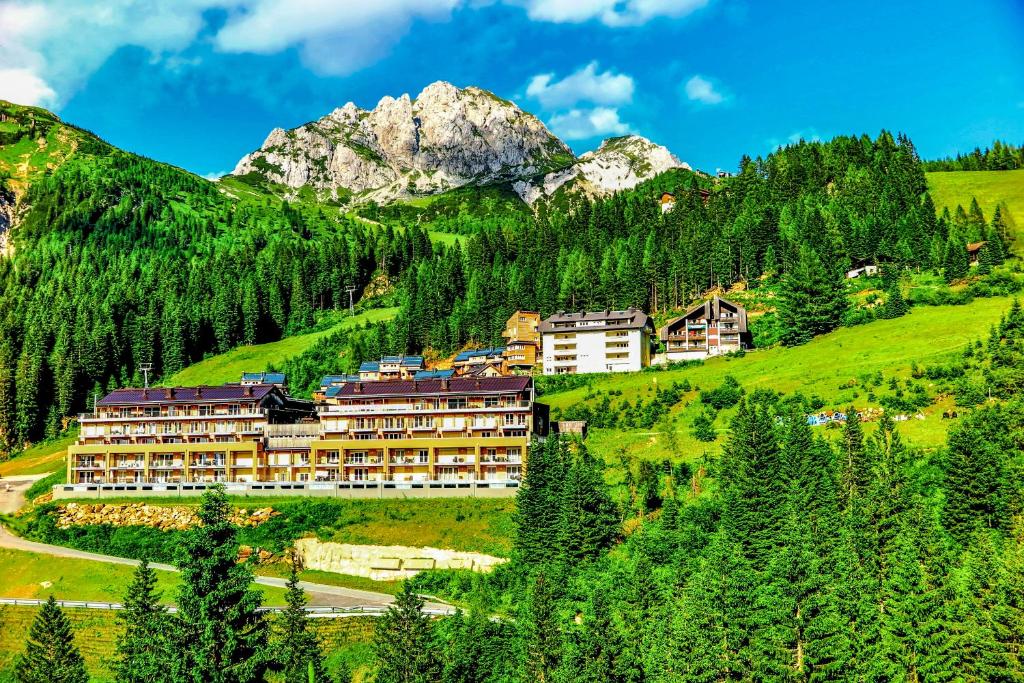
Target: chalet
[974,250]
[713,327]
[862,271]
[599,341]
[522,340]
[391,367]
[474,361]
[668,201]
[253,378]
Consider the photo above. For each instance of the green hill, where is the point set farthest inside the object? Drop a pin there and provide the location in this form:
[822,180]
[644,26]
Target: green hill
[228,367]
[990,188]
[834,367]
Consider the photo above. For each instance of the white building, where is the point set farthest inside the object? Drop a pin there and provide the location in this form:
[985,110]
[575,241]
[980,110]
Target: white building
[601,341]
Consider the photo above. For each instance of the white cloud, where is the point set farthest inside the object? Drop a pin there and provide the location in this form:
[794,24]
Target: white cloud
[334,37]
[50,48]
[609,12]
[585,85]
[21,86]
[582,124]
[215,175]
[700,89]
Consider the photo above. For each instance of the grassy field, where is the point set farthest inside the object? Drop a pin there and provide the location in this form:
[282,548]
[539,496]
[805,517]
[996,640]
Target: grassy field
[32,575]
[41,458]
[823,367]
[482,525]
[991,188]
[228,367]
[96,631]
[362,583]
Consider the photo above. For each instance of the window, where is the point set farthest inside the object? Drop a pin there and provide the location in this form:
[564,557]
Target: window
[151,411]
[393,436]
[422,456]
[234,410]
[205,410]
[457,403]
[491,402]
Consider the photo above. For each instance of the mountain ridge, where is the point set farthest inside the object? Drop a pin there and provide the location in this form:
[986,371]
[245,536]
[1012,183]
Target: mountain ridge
[445,138]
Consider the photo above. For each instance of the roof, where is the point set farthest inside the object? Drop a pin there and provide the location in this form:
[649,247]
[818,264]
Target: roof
[369,366]
[433,374]
[457,385]
[975,246]
[227,392]
[479,353]
[265,377]
[629,319]
[712,310]
[404,361]
[328,380]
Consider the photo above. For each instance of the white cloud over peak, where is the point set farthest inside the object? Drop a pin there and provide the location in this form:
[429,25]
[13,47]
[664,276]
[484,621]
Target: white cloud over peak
[613,13]
[700,89]
[50,48]
[582,124]
[585,85]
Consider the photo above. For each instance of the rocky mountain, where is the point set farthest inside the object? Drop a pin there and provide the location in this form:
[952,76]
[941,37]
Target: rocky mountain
[445,138]
[618,164]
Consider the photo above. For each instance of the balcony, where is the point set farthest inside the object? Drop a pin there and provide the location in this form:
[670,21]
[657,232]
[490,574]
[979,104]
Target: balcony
[405,408]
[85,418]
[88,465]
[369,460]
[166,465]
[484,424]
[456,460]
[127,465]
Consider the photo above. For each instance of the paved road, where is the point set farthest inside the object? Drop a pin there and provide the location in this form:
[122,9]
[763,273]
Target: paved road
[320,595]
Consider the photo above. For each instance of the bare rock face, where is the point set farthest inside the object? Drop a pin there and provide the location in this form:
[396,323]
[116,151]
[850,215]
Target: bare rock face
[618,164]
[445,138]
[6,217]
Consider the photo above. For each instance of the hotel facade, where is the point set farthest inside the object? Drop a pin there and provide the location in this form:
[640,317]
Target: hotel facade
[458,429]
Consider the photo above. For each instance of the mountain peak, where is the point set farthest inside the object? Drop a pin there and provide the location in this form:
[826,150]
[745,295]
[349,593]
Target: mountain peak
[444,138]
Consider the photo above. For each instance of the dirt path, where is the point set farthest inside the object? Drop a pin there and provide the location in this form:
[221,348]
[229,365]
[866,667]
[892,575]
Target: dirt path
[11,500]
[320,595]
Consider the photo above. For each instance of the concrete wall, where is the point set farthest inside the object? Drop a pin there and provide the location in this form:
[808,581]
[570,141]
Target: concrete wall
[345,489]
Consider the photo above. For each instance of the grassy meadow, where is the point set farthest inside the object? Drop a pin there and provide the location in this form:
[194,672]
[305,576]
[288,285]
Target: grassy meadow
[830,367]
[229,366]
[991,188]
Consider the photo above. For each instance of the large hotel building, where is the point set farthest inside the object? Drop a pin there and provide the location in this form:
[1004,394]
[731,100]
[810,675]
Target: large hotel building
[406,430]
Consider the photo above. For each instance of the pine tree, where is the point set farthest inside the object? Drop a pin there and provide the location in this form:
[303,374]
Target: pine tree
[703,428]
[854,469]
[50,654]
[298,651]
[144,650]
[539,502]
[403,642]
[542,634]
[956,263]
[220,635]
[595,650]
[589,518]
[812,299]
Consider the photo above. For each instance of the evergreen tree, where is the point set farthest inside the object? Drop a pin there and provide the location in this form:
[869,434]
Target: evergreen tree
[589,518]
[220,635]
[298,650]
[812,299]
[703,428]
[539,503]
[144,649]
[50,654]
[403,642]
[541,632]
[956,263]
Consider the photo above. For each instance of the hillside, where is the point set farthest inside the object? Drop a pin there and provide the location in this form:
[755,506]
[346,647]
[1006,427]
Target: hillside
[1004,189]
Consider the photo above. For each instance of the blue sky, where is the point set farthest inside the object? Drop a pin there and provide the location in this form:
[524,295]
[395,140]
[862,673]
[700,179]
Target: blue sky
[199,83]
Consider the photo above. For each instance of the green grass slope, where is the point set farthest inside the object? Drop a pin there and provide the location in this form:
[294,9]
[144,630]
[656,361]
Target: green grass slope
[229,366]
[990,188]
[830,367]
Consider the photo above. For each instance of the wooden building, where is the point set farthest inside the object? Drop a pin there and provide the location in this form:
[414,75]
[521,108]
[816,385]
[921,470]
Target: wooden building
[713,327]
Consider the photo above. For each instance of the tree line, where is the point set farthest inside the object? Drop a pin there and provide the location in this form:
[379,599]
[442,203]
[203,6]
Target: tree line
[1001,156]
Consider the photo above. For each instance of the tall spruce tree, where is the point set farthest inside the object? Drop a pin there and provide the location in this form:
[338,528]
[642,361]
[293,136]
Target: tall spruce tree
[297,651]
[812,298]
[539,502]
[589,517]
[541,632]
[403,642]
[50,654]
[220,637]
[144,649]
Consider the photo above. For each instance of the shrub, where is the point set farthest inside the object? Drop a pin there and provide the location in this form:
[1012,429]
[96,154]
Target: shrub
[726,395]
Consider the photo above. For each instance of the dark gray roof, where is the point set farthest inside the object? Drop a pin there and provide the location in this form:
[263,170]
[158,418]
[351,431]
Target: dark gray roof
[629,319]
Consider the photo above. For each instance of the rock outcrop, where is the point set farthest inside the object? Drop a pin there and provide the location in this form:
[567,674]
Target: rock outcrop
[445,138]
[386,562]
[163,517]
[618,164]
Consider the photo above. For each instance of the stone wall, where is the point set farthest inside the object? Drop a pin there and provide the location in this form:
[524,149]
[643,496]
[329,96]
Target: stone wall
[163,517]
[386,562]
